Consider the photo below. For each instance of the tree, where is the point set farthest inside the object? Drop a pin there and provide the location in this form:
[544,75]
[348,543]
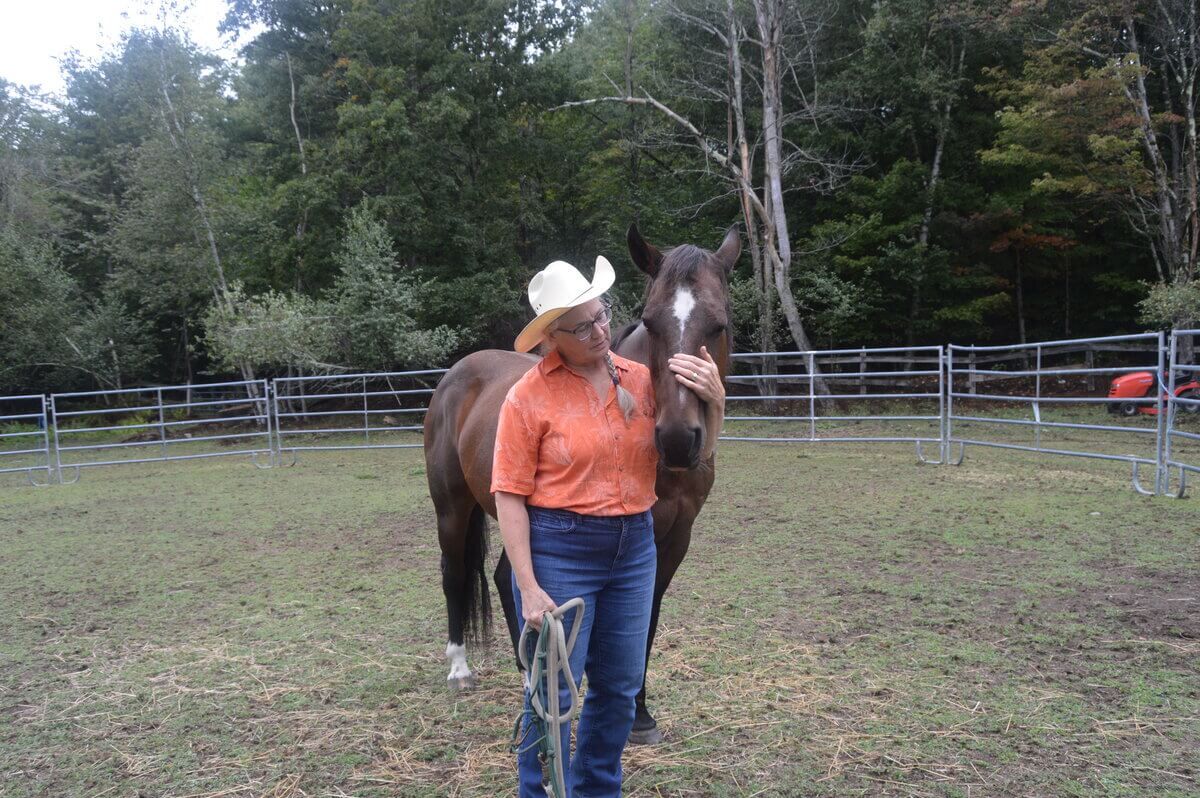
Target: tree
[376,306]
[52,337]
[1107,110]
[29,164]
[915,73]
[788,39]
[366,321]
[156,206]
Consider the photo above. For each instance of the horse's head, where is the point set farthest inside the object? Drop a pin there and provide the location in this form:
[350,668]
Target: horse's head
[686,306]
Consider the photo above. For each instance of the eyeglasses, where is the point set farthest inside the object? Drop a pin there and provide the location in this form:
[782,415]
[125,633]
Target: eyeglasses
[583,330]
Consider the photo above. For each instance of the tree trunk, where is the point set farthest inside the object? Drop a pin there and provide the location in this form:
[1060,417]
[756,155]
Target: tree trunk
[631,129]
[769,14]
[1066,297]
[1020,298]
[1175,257]
[178,139]
[935,174]
[187,352]
[763,287]
[302,225]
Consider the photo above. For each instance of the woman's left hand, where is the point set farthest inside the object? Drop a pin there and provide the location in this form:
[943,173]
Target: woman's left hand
[700,375]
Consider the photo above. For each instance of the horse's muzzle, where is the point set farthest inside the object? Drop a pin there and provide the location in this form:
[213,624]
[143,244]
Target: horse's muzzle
[679,446]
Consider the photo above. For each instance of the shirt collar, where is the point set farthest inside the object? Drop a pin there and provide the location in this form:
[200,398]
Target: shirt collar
[553,361]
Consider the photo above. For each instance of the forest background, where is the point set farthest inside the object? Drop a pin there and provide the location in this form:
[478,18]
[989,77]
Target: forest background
[374,182]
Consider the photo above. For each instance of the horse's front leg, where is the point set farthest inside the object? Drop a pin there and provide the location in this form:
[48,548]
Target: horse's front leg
[503,580]
[672,548]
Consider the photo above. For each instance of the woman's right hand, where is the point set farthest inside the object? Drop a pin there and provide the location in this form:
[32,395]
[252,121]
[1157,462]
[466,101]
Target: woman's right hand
[534,602]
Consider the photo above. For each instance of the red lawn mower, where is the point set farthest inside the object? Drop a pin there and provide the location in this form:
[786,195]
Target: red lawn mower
[1140,385]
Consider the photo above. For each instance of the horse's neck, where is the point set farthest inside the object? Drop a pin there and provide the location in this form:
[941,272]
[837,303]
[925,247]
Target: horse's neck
[635,346]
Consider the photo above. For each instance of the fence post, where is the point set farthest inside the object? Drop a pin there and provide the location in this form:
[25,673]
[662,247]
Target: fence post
[949,414]
[1160,469]
[162,429]
[266,412]
[862,368]
[366,416]
[46,439]
[1037,395]
[1089,362]
[971,375]
[943,444]
[1172,407]
[276,442]
[812,397]
[57,454]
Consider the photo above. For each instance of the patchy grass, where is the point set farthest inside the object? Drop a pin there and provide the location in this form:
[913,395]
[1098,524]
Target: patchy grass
[847,623]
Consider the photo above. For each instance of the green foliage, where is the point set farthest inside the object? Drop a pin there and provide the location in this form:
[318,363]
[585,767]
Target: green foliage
[368,319]
[29,160]
[52,336]
[375,305]
[205,215]
[743,303]
[1169,305]
[271,330]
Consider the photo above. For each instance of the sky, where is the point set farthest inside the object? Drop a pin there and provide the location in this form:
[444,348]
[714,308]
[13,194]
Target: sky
[35,34]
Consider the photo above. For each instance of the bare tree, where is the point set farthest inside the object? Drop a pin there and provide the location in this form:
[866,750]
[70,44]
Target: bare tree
[787,41]
[302,224]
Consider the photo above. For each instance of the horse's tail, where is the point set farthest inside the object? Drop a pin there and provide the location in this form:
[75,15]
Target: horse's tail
[477,604]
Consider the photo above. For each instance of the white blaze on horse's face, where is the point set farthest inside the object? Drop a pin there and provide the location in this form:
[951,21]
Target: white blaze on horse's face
[685,302]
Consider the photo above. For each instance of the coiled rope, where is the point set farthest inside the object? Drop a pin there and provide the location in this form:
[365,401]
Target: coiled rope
[546,661]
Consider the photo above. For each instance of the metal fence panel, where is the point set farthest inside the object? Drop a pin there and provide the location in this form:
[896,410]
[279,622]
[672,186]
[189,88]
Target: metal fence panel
[889,384]
[147,425]
[351,411]
[25,437]
[1146,348]
[1181,447]
[919,395]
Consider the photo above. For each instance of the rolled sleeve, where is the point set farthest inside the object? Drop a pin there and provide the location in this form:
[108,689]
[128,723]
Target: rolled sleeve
[515,459]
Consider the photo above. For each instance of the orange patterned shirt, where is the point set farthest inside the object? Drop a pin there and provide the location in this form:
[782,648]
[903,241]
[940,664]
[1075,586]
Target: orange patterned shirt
[560,447]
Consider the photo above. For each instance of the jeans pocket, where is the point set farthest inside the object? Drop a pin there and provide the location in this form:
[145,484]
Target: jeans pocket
[548,519]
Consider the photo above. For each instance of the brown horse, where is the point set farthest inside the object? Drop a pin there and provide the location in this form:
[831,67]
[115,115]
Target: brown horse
[686,305]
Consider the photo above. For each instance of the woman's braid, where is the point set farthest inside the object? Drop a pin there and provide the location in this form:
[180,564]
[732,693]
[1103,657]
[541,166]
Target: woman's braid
[624,398]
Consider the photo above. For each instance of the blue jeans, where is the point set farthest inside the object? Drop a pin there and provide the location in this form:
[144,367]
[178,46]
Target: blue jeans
[609,562]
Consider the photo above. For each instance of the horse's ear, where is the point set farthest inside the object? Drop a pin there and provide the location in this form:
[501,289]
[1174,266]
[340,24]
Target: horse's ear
[644,254]
[730,249]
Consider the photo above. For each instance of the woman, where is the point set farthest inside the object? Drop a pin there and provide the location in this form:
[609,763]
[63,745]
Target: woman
[573,477]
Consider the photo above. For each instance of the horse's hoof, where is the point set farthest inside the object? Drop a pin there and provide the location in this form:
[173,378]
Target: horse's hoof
[461,684]
[650,736]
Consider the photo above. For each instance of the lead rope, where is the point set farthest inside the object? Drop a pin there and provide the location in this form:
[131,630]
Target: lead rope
[550,659]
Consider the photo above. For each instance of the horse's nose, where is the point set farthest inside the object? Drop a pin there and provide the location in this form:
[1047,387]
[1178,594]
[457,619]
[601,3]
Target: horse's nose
[679,445]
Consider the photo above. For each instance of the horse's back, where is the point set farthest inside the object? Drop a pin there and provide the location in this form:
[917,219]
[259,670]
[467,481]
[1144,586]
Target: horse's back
[460,425]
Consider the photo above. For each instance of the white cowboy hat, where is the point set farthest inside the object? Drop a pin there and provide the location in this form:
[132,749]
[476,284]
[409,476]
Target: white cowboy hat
[555,290]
